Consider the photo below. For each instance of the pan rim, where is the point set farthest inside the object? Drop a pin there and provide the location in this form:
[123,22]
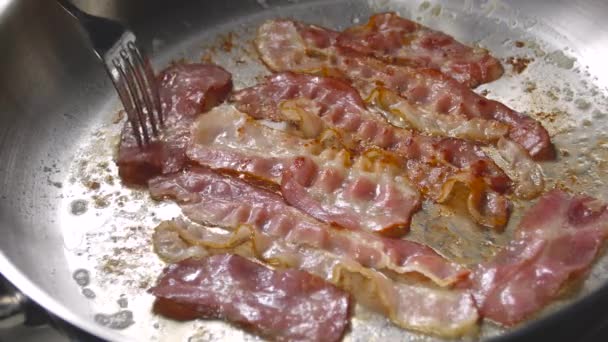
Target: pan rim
[48,303]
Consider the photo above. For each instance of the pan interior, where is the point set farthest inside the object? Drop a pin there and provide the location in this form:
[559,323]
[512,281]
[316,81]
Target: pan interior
[97,233]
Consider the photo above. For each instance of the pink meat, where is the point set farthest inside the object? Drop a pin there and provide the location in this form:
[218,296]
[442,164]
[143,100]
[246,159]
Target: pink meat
[220,200]
[186,90]
[426,90]
[398,40]
[429,161]
[391,208]
[356,193]
[557,240]
[284,305]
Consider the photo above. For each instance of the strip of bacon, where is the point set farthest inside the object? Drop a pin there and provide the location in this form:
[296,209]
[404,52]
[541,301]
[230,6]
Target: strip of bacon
[185,91]
[401,41]
[430,95]
[292,46]
[402,114]
[368,192]
[210,198]
[431,163]
[513,159]
[284,305]
[447,313]
[556,241]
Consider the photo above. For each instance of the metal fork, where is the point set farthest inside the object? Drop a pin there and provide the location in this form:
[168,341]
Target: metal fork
[129,69]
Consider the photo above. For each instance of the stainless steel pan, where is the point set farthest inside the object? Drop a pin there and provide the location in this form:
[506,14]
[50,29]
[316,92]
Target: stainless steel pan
[77,242]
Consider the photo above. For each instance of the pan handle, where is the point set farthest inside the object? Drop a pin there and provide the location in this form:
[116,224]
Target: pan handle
[18,312]
[12,311]
[12,306]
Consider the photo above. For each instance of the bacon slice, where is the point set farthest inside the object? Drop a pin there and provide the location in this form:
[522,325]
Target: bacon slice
[432,164]
[185,91]
[429,95]
[285,305]
[555,242]
[399,112]
[291,46]
[398,40]
[209,198]
[369,192]
[447,313]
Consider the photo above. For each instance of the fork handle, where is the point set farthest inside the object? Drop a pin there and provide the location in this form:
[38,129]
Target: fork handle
[102,32]
[73,10]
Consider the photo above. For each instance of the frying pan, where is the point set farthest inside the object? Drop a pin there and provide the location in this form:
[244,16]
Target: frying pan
[78,243]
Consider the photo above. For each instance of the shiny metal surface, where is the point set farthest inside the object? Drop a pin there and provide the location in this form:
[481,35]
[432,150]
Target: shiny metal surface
[63,209]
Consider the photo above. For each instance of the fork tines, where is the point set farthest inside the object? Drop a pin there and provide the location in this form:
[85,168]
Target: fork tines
[136,85]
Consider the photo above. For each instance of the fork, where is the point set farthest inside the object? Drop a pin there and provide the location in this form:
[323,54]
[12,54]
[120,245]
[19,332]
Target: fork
[129,69]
